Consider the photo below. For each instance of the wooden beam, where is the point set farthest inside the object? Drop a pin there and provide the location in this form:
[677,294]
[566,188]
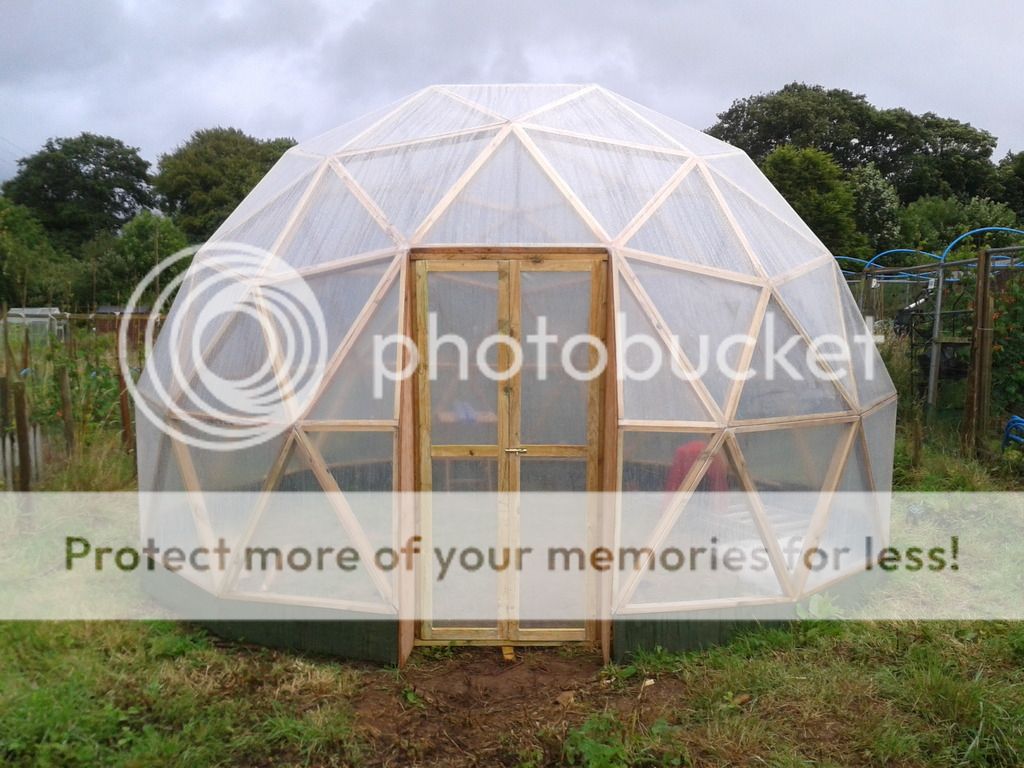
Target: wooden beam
[692,267]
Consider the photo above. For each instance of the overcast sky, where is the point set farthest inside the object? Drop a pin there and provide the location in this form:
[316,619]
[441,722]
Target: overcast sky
[150,73]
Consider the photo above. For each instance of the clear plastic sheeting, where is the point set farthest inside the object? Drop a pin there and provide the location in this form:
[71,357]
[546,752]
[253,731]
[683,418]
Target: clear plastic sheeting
[873,382]
[595,112]
[653,380]
[700,311]
[786,377]
[510,200]
[691,226]
[593,171]
[512,100]
[432,113]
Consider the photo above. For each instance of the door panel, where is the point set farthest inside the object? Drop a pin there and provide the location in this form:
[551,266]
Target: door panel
[553,403]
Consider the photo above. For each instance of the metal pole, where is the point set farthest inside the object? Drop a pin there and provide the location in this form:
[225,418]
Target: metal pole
[933,368]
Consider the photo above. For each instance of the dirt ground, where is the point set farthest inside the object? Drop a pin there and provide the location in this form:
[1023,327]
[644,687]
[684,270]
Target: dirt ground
[469,707]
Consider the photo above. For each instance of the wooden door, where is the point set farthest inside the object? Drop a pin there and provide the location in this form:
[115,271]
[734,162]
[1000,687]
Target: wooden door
[533,427]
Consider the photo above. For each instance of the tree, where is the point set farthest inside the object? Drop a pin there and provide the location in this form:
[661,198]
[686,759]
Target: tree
[813,184]
[930,155]
[1011,178]
[799,115]
[919,154]
[116,264]
[202,181]
[876,208]
[931,223]
[78,187]
[32,272]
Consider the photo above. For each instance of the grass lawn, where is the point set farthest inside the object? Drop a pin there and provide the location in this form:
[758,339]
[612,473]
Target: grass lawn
[139,694]
[817,693]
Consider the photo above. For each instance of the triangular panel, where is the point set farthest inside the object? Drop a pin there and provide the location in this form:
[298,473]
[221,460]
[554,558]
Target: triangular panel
[789,467]
[332,225]
[598,115]
[262,230]
[512,100]
[407,182]
[783,382]
[230,480]
[873,381]
[654,463]
[339,295]
[880,431]
[777,246]
[741,171]
[431,114]
[701,312]
[361,387]
[362,465]
[287,172]
[718,517]
[335,140]
[301,525]
[812,298]
[614,182]
[852,521]
[510,201]
[206,304]
[690,139]
[167,515]
[651,387]
[691,226]
[235,377]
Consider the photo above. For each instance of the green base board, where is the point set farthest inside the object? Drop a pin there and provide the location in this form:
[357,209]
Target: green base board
[682,632]
[363,637]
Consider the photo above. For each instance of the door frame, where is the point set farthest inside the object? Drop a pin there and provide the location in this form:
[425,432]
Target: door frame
[509,263]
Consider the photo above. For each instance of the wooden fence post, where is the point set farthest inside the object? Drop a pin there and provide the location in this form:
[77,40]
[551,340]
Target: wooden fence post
[26,354]
[21,429]
[127,436]
[979,374]
[67,415]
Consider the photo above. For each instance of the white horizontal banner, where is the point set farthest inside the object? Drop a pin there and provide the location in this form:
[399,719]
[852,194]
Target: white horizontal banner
[545,560]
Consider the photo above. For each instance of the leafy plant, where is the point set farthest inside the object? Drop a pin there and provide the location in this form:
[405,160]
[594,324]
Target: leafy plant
[1008,348]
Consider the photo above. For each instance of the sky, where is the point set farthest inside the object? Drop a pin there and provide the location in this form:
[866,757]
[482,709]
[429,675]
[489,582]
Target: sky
[151,73]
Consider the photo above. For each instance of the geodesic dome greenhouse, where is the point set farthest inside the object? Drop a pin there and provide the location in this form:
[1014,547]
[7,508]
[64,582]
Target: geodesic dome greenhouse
[487,208]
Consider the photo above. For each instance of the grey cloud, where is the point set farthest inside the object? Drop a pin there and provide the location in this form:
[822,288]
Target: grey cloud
[151,73]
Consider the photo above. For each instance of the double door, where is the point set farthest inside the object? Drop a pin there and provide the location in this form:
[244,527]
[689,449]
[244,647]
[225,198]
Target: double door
[509,391]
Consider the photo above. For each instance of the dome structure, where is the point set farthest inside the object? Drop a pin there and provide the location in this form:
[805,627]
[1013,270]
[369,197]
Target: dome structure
[487,207]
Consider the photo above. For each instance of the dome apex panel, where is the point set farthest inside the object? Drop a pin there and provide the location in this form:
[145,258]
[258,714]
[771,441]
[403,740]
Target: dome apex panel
[596,114]
[513,100]
[429,114]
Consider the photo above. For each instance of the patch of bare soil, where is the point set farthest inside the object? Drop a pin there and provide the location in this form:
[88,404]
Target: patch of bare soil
[473,708]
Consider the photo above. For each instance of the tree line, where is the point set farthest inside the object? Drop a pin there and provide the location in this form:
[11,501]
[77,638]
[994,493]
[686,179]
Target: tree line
[867,179]
[86,217]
